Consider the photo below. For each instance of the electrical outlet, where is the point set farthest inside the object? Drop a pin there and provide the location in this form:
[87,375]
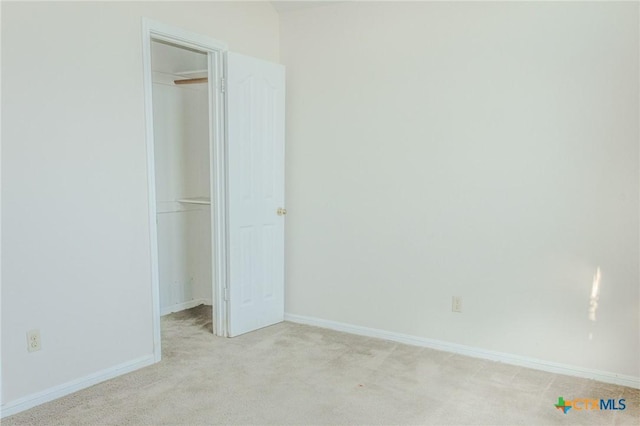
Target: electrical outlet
[456,304]
[33,340]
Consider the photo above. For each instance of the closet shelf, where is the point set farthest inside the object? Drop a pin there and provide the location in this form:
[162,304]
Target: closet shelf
[195,200]
[191,73]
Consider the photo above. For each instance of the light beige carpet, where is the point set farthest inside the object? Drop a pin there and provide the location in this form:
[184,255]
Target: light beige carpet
[295,374]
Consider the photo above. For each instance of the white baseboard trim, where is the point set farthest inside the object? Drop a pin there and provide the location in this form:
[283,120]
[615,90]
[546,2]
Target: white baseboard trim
[185,305]
[29,401]
[552,367]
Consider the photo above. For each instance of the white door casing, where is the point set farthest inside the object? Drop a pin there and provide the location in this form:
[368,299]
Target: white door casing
[255,95]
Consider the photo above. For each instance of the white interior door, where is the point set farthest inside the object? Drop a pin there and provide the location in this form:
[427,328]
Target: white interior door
[255,130]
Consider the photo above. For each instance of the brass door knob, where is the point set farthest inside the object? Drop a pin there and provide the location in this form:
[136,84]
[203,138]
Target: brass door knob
[281,211]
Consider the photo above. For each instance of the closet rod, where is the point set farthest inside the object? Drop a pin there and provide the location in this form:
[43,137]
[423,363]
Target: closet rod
[191,81]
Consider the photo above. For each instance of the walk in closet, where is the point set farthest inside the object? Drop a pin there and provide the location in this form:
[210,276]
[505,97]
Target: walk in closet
[182,176]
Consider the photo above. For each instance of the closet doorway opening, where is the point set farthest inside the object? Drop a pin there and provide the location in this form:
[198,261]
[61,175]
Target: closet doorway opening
[183,180]
[186,171]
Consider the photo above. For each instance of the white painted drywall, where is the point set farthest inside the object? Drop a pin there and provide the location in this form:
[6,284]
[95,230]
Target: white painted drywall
[184,251]
[483,150]
[75,240]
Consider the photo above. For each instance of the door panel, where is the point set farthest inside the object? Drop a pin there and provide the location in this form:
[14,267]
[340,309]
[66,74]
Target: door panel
[255,105]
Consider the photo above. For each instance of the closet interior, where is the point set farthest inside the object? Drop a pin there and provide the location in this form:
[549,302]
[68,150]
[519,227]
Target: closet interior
[183,176]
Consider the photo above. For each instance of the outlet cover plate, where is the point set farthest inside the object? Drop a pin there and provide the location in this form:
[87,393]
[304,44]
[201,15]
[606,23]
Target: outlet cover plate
[33,341]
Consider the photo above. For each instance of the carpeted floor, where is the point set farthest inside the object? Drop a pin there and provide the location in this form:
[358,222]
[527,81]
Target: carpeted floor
[296,374]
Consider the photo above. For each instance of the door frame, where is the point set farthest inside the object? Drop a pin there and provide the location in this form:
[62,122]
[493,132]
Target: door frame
[153,30]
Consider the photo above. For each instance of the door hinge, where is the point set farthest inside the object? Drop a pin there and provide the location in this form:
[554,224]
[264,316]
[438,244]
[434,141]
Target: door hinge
[226,294]
[223,85]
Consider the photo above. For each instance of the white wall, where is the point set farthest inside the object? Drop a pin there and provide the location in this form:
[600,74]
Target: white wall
[75,240]
[484,150]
